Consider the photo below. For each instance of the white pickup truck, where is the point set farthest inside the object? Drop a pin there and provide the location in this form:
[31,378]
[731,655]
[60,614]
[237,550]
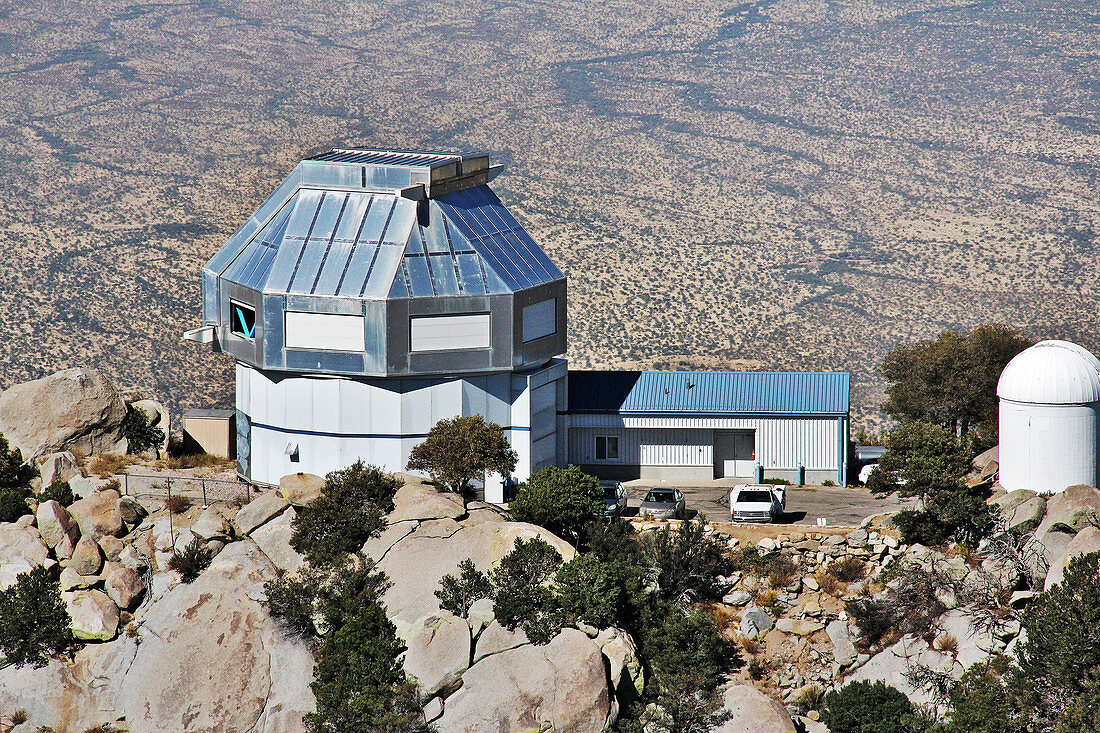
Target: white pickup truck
[757,502]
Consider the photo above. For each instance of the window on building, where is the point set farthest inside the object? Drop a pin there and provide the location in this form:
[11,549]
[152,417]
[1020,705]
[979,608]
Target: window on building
[242,319]
[607,448]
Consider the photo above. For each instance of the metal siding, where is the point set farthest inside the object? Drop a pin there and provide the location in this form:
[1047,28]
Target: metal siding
[780,442]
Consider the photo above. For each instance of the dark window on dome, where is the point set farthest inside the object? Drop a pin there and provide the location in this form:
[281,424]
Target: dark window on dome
[242,319]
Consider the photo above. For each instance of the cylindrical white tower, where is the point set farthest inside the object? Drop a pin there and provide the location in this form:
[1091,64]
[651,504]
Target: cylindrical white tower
[1049,409]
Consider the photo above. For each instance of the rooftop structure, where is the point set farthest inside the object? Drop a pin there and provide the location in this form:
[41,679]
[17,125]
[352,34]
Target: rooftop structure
[380,263]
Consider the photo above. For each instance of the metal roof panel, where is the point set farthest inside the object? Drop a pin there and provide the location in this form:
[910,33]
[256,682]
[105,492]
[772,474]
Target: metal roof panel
[803,393]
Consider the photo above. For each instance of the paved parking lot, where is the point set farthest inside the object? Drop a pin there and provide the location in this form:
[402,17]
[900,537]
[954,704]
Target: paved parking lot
[839,506]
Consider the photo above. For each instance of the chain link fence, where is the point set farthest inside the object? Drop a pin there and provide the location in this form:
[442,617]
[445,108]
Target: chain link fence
[196,488]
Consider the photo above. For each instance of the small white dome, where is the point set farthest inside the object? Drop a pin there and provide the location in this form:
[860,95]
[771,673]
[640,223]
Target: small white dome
[1051,373]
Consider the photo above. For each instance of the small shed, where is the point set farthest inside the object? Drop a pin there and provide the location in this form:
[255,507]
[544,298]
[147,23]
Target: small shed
[700,426]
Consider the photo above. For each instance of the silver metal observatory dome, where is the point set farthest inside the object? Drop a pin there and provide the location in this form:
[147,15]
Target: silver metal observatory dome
[383,264]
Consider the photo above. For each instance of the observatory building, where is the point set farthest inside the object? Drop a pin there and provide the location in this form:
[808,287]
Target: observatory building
[1049,405]
[373,294]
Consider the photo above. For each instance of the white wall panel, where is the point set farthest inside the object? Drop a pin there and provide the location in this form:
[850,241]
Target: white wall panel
[335,422]
[442,333]
[324,331]
[689,441]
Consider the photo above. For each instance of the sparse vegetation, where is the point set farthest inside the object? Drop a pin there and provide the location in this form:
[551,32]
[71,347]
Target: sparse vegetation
[106,465]
[459,451]
[810,698]
[177,504]
[191,561]
[194,460]
[848,570]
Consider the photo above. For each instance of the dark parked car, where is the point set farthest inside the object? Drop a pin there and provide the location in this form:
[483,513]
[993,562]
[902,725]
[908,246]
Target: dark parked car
[663,504]
[614,498]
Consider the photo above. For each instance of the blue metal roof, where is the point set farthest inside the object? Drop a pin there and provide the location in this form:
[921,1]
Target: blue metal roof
[800,393]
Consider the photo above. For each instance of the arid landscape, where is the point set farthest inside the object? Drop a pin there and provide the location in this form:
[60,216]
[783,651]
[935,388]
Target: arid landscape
[782,184]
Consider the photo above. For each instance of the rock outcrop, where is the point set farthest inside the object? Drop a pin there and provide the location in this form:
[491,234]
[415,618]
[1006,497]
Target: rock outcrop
[752,710]
[561,686]
[74,408]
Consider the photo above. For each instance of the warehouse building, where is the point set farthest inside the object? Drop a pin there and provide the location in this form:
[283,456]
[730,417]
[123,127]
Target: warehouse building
[699,426]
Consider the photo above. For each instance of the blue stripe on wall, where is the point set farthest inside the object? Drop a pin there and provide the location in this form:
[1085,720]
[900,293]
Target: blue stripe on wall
[291,431]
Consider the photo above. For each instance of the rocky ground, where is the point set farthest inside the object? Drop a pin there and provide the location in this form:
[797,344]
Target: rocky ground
[162,655]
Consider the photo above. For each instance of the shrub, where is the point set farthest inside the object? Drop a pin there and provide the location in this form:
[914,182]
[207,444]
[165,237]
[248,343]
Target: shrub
[140,435]
[114,484]
[460,450]
[848,570]
[768,600]
[690,643]
[872,618]
[563,500]
[864,707]
[13,504]
[686,564]
[947,644]
[34,623]
[749,561]
[777,482]
[14,473]
[521,596]
[588,589]
[358,681]
[19,717]
[828,482]
[1059,657]
[809,698]
[58,491]
[929,462]
[781,571]
[177,504]
[750,645]
[350,510]
[614,542]
[457,594]
[192,561]
[757,669]
[827,582]
[320,600]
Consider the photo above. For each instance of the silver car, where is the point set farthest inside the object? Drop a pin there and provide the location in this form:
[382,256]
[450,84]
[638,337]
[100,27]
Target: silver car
[663,504]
